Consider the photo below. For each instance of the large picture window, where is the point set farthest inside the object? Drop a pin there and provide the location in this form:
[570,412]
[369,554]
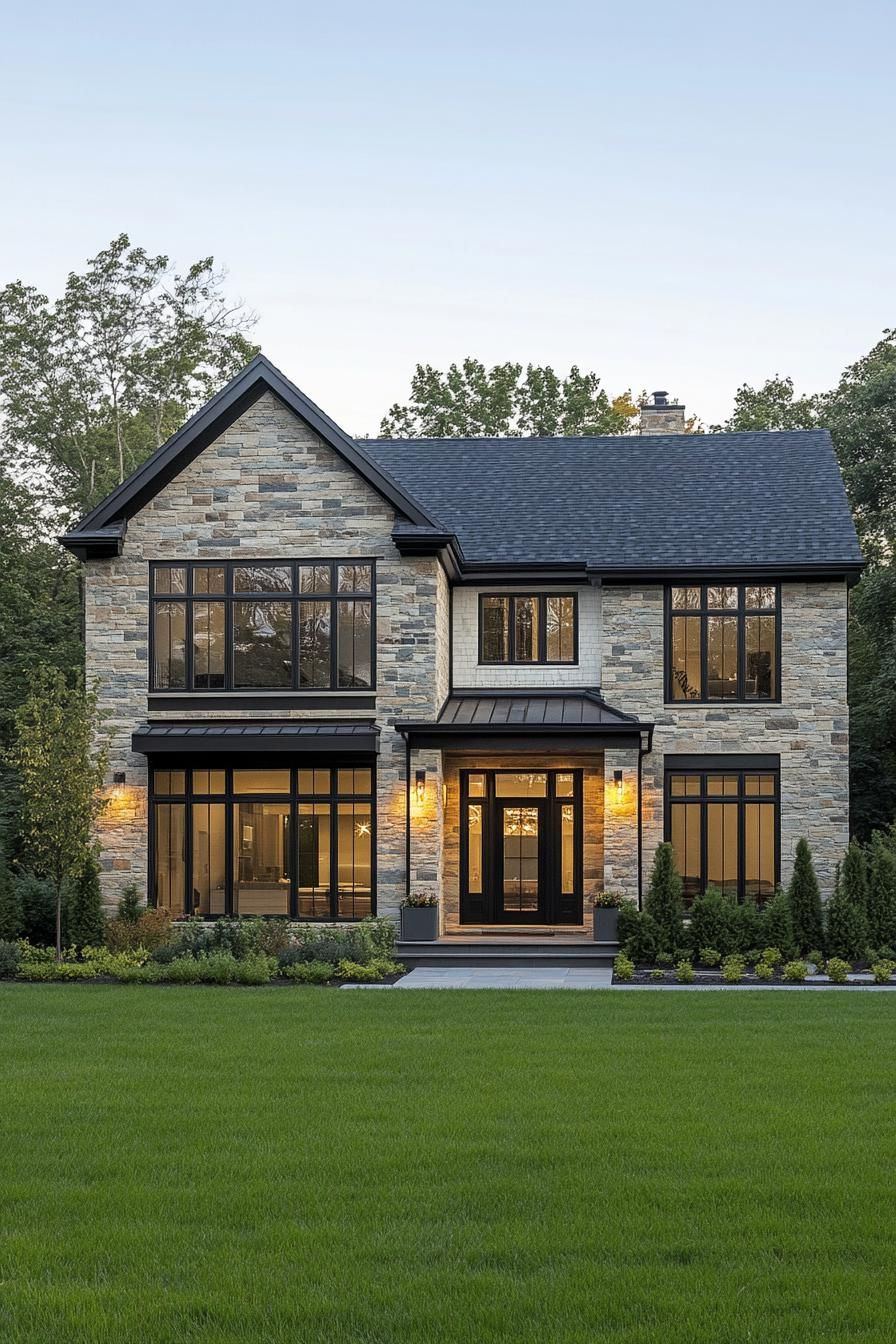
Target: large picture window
[723,642]
[279,840]
[528,628]
[278,627]
[724,825]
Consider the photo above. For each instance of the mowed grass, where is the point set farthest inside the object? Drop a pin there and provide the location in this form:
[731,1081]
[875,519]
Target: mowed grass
[298,1165]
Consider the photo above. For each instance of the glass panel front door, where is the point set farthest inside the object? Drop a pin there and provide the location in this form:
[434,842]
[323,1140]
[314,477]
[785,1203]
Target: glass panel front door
[520,861]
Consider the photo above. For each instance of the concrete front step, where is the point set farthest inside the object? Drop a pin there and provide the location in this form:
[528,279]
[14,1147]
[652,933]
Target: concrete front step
[493,952]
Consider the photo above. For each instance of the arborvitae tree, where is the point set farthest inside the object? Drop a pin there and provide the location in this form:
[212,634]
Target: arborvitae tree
[130,907]
[663,901]
[805,902]
[777,924]
[85,921]
[847,933]
[882,893]
[854,876]
[11,921]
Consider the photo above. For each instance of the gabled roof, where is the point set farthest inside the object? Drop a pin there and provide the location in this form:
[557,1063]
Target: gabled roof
[100,532]
[652,505]
[616,504]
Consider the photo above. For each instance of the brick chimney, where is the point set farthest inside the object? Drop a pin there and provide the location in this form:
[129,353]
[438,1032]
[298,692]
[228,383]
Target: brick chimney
[659,415]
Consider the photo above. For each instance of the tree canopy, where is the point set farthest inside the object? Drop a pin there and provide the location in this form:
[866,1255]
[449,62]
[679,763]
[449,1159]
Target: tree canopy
[471,401]
[93,382]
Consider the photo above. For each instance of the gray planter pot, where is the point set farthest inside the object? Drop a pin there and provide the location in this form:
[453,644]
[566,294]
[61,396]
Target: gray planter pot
[419,923]
[606,925]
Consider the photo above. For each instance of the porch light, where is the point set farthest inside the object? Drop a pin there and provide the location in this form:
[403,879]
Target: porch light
[119,777]
[617,784]
[420,785]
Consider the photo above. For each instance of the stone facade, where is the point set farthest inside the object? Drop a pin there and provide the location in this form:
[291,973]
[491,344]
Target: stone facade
[809,729]
[268,488]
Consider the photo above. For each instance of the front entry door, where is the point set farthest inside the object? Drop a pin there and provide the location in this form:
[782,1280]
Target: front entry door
[521,847]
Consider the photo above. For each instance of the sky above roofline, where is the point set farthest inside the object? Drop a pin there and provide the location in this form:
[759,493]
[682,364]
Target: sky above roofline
[685,197]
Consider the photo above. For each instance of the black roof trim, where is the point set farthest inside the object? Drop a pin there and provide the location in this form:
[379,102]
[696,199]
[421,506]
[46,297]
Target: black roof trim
[224,408]
[780,573]
[100,543]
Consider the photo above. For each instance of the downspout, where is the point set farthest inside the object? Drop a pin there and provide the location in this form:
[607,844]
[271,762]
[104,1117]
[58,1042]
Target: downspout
[640,832]
[407,816]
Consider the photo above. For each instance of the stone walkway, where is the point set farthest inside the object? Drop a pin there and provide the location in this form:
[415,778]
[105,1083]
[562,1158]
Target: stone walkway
[486,977]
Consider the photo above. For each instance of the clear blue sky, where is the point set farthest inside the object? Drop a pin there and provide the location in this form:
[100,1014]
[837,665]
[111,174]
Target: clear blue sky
[683,196]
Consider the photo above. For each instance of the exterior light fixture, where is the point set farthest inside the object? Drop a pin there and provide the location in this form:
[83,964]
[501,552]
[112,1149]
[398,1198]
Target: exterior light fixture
[420,785]
[444,795]
[617,783]
[119,777]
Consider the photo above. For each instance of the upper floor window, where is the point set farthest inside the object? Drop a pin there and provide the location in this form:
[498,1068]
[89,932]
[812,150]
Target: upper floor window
[723,642]
[528,628]
[258,626]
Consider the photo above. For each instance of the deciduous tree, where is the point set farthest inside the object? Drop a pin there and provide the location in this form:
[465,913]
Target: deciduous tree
[471,400]
[61,770]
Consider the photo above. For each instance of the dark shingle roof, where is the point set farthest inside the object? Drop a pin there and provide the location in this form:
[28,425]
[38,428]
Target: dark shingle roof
[648,501]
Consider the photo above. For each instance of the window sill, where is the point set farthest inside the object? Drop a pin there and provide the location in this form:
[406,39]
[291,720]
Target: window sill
[180,700]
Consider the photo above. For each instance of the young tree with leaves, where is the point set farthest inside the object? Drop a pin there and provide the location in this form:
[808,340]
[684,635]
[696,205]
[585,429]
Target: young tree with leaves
[663,899]
[61,770]
[470,401]
[805,901]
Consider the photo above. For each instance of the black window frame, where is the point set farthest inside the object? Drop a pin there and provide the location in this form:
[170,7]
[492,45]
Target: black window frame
[542,660]
[230,596]
[741,612]
[229,797]
[718,767]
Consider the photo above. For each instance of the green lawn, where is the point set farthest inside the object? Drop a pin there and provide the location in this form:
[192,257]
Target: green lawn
[181,1164]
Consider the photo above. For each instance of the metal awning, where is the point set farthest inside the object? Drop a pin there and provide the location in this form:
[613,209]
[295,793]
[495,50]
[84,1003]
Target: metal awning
[511,721]
[296,737]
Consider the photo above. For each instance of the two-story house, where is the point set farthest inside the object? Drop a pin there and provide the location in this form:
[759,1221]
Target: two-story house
[498,670]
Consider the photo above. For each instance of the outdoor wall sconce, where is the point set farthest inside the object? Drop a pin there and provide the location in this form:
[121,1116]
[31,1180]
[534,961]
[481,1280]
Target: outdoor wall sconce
[617,784]
[444,795]
[420,785]
[118,777]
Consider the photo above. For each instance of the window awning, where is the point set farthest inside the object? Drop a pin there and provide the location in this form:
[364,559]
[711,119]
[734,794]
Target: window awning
[297,737]
[512,721]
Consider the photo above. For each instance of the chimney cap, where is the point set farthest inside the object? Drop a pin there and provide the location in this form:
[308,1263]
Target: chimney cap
[660,398]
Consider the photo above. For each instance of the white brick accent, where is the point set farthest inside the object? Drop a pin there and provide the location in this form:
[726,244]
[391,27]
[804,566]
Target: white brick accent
[469,673]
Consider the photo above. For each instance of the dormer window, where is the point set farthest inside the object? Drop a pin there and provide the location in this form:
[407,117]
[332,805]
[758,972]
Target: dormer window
[528,628]
[723,642]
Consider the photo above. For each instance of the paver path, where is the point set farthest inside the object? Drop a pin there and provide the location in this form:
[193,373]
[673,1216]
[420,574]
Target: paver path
[520,977]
